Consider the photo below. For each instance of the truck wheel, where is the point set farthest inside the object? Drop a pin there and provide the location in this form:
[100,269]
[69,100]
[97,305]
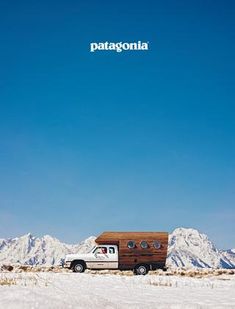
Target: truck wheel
[78,267]
[141,269]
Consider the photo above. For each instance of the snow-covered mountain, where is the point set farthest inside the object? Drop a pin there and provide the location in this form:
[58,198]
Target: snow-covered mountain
[31,250]
[187,248]
[230,255]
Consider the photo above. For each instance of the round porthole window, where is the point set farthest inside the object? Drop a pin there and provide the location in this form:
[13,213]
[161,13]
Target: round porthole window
[144,244]
[157,244]
[131,244]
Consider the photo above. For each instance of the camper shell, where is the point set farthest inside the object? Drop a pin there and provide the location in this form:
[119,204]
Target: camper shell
[138,248]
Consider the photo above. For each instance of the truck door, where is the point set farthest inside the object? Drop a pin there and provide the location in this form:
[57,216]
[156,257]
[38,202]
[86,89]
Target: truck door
[104,257]
[113,257]
[99,258]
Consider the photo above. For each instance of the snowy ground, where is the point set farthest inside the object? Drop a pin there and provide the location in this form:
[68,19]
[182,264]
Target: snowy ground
[69,290]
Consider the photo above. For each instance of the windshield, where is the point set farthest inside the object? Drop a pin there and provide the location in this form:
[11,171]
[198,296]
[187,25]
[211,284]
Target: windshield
[90,250]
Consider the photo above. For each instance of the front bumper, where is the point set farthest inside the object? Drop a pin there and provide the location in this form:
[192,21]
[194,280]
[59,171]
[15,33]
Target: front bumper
[66,264]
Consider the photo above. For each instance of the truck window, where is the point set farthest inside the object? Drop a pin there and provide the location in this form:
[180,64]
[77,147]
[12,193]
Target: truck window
[101,250]
[111,250]
[157,244]
[131,244]
[144,244]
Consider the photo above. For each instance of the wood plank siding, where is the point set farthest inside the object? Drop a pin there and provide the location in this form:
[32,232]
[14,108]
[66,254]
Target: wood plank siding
[129,258]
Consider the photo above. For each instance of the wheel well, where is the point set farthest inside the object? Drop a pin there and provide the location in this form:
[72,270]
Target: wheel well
[78,261]
[144,264]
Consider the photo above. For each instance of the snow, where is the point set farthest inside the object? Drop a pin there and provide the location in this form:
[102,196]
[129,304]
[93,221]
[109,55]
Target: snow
[69,290]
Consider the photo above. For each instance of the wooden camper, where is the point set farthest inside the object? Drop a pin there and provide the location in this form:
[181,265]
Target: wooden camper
[138,248]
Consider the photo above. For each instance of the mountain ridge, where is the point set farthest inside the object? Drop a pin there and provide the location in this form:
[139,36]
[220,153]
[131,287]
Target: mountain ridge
[187,248]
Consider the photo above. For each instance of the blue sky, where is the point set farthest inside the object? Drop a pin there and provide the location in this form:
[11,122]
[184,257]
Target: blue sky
[117,141]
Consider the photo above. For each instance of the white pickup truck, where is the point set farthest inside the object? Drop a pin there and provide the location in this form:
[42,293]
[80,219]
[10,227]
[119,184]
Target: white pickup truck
[100,257]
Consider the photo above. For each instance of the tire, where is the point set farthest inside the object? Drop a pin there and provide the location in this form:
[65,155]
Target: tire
[141,269]
[79,267]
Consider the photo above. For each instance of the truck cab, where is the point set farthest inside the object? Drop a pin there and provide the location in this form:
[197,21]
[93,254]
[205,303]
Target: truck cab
[99,257]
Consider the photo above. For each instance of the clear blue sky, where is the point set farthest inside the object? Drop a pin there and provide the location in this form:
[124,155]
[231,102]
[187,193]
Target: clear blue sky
[117,141]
